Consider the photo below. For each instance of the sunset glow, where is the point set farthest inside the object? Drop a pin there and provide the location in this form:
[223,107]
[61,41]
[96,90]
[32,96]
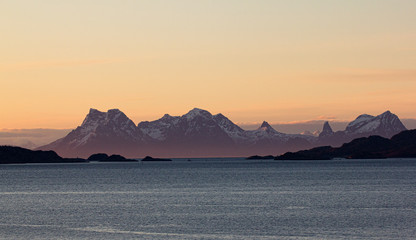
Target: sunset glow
[279,61]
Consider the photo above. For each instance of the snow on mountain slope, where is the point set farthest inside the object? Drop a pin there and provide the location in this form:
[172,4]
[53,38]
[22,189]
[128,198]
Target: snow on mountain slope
[386,124]
[199,133]
[158,130]
[233,131]
[359,122]
[197,112]
[112,123]
[98,128]
[195,126]
[266,132]
[202,124]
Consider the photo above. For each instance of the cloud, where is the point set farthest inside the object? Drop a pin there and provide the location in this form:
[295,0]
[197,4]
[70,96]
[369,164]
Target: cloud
[368,74]
[327,117]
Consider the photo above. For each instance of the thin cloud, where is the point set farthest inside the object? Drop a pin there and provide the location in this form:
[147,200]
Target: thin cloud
[50,64]
[327,117]
[366,74]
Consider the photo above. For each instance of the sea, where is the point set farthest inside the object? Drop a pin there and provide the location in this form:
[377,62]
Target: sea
[213,198]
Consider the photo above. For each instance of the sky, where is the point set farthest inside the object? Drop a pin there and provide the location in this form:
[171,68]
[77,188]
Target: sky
[252,60]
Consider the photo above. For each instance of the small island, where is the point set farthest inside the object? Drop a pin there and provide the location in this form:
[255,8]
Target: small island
[257,157]
[102,157]
[151,159]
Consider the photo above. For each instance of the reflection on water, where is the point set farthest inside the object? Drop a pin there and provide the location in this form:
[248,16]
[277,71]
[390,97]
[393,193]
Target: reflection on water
[214,199]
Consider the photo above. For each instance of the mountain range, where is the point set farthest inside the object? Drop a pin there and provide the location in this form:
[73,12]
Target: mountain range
[385,125]
[198,133]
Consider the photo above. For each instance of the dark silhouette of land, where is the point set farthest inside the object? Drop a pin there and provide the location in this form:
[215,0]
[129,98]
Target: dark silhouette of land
[16,155]
[151,159]
[102,157]
[402,145]
[13,155]
[257,157]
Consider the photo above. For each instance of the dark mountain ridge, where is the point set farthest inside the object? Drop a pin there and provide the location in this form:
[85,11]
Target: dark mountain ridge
[402,145]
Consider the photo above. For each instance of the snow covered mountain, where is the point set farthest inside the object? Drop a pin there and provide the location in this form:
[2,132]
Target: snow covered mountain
[196,133]
[193,134]
[386,125]
[232,130]
[196,125]
[111,132]
[199,133]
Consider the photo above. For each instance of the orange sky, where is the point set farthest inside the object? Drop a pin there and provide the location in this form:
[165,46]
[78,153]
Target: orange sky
[278,61]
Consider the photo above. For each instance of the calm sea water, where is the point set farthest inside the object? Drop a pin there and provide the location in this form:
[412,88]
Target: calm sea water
[233,199]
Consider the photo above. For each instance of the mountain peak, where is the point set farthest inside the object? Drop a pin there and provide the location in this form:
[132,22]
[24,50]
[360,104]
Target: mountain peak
[265,125]
[386,125]
[326,130]
[114,110]
[114,117]
[93,116]
[198,112]
[166,116]
[93,110]
[387,113]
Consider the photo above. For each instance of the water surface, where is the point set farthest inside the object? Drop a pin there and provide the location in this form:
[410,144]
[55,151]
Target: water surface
[212,199]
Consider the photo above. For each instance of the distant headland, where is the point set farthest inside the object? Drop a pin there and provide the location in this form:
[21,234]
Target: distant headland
[402,145]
